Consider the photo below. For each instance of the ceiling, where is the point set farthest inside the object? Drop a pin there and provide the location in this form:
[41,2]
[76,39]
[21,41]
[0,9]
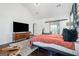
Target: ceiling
[47,10]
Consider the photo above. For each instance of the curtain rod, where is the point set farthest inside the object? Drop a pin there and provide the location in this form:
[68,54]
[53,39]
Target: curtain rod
[55,20]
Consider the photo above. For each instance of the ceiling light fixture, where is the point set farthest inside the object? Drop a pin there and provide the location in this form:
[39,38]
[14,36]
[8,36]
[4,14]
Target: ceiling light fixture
[37,13]
[36,4]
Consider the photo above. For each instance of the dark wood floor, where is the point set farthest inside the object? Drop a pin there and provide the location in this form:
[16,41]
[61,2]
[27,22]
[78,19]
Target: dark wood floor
[42,52]
[39,52]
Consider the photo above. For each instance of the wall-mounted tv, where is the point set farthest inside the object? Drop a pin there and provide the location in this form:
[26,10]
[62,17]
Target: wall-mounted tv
[20,27]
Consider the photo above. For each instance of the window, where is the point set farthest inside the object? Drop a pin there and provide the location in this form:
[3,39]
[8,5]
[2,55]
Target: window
[55,27]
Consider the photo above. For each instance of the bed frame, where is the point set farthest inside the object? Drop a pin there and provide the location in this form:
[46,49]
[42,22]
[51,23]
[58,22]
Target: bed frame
[53,51]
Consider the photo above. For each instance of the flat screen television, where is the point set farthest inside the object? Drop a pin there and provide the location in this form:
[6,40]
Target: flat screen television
[20,27]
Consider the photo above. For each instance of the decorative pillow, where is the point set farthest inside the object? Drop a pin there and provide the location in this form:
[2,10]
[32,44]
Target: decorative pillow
[70,35]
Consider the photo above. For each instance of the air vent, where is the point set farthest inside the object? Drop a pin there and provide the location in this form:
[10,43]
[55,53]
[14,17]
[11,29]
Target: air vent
[58,5]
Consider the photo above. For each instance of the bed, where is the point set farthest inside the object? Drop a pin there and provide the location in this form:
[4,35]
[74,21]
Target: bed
[56,47]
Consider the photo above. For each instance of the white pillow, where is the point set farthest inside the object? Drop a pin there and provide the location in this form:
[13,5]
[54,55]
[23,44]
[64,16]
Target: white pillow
[78,39]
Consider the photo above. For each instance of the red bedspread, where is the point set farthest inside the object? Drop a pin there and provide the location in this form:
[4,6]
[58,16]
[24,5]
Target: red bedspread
[55,39]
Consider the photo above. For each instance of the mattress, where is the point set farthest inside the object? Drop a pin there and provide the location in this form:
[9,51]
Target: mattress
[58,47]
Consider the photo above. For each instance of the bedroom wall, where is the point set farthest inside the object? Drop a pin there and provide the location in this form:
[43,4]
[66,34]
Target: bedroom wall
[40,24]
[8,14]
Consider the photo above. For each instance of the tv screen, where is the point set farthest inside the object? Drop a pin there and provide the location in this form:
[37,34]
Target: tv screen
[20,27]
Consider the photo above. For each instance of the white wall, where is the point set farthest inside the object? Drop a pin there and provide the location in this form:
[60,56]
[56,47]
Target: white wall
[8,14]
[17,12]
[63,25]
[40,24]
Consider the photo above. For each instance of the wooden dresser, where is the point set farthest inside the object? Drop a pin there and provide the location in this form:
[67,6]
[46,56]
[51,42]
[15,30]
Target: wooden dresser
[20,35]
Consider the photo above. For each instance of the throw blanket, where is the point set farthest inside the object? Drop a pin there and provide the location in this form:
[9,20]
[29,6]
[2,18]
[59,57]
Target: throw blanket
[55,39]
